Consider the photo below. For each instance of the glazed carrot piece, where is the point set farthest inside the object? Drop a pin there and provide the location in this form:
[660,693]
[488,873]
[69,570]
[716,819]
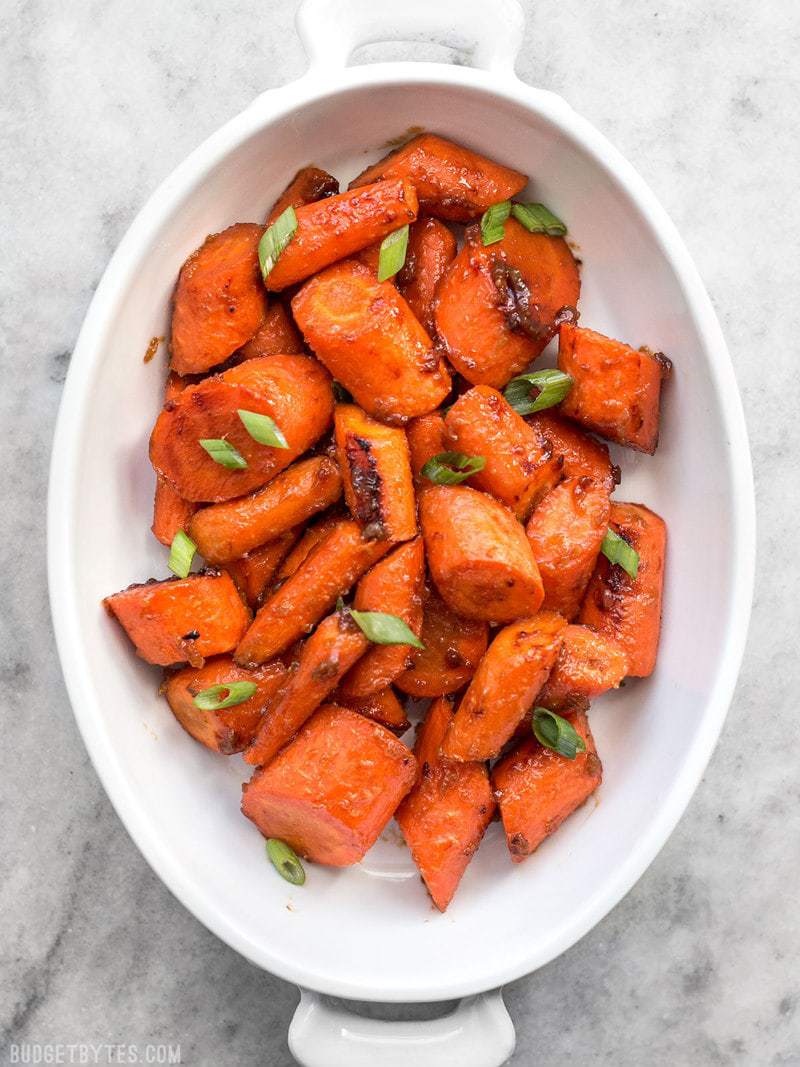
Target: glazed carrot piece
[376,468]
[328,653]
[394,585]
[616,390]
[339,226]
[584,456]
[382,707]
[445,815]
[371,257]
[452,182]
[295,391]
[219,299]
[181,620]
[227,730]
[330,793]
[499,305]
[277,335]
[509,676]
[253,573]
[478,555]
[537,789]
[588,665]
[519,470]
[431,249]
[312,535]
[565,532]
[226,531]
[367,336]
[426,439]
[329,571]
[171,513]
[307,186]
[629,609]
[453,648]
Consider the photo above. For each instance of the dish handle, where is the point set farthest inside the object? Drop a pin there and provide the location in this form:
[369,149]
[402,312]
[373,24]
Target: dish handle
[477,1033]
[489,34]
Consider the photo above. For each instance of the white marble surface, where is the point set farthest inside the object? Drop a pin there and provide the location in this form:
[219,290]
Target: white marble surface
[699,963]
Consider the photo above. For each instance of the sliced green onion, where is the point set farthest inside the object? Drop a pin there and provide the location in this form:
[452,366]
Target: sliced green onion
[392,255]
[226,695]
[551,385]
[340,394]
[452,468]
[262,429]
[617,550]
[554,732]
[383,629]
[276,238]
[181,554]
[493,222]
[536,218]
[285,861]
[224,453]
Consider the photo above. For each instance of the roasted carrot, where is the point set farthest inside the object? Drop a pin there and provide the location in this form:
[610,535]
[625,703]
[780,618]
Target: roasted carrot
[371,258]
[226,531]
[219,300]
[382,707]
[339,226]
[537,789]
[518,469]
[508,678]
[616,390]
[306,187]
[478,555]
[584,456]
[181,620]
[565,532]
[312,535]
[431,249]
[254,572]
[376,468]
[629,609]
[498,306]
[588,665]
[328,653]
[329,794]
[171,512]
[394,585]
[452,182]
[453,648]
[367,336]
[277,335]
[426,439]
[226,730]
[445,815]
[330,569]
[295,391]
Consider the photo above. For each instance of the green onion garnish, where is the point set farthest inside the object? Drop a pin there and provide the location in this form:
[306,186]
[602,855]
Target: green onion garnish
[617,550]
[285,861]
[551,387]
[452,468]
[383,629]
[276,237]
[392,255]
[223,453]
[181,554]
[556,733]
[536,218]
[227,695]
[492,222]
[262,429]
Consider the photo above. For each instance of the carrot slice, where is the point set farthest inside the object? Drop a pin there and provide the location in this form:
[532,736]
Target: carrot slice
[337,227]
[295,391]
[454,646]
[312,535]
[431,249]
[181,620]
[537,789]
[171,513]
[629,609]
[329,794]
[584,456]
[445,815]
[426,439]
[382,707]
[307,186]
[277,335]
[226,531]
[452,181]
[226,730]
[254,572]
[508,678]
[588,665]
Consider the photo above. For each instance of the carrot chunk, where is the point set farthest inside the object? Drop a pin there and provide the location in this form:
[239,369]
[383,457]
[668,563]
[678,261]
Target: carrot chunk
[382,707]
[426,438]
[330,793]
[369,339]
[583,456]
[181,620]
[478,555]
[254,571]
[537,789]
[226,730]
[452,182]
[508,678]
[565,532]
[219,299]
[307,186]
[171,513]
[454,646]
[294,391]
[499,305]
[629,609]
[312,535]
[338,226]
[431,249]
[445,815]
[276,336]
[227,531]
[588,665]
[616,389]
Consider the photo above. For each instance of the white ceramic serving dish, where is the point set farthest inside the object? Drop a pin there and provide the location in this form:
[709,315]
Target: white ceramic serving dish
[369,932]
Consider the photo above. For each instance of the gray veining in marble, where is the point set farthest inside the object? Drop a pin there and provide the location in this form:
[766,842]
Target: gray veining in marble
[99,101]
